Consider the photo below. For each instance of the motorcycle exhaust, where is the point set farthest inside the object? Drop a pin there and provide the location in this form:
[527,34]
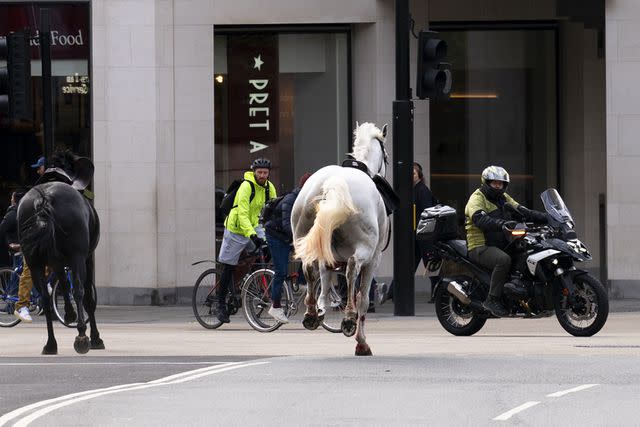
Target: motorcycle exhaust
[456,290]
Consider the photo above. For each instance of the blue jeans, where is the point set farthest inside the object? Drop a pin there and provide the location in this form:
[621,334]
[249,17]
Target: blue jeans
[280,251]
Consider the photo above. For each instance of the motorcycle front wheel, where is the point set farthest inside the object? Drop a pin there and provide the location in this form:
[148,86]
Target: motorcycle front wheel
[455,317]
[589,311]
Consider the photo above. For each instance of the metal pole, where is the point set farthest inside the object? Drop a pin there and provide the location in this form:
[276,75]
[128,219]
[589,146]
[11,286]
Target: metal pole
[403,240]
[47,102]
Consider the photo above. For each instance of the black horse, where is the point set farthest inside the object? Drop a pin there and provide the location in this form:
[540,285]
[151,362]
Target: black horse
[59,228]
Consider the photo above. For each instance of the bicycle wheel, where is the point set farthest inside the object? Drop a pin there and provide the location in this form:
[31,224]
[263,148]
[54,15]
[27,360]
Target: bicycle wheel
[7,301]
[256,300]
[68,318]
[205,299]
[336,302]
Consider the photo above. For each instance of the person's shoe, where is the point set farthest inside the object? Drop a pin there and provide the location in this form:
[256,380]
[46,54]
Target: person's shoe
[278,314]
[222,315]
[23,314]
[372,308]
[382,292]
[494,305]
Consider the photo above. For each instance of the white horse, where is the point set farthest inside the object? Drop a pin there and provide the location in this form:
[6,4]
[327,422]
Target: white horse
[339,217]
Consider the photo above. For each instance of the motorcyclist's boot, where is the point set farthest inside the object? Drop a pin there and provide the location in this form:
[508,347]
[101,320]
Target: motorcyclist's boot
[494,305]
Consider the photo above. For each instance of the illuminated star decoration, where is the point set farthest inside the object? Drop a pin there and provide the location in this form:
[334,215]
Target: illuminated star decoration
[257,62]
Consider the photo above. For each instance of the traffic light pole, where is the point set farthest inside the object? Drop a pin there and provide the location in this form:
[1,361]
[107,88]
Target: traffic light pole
[45,55]
[403,240]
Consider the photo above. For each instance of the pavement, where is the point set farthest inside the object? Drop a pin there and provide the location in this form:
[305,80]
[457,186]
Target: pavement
[173,331]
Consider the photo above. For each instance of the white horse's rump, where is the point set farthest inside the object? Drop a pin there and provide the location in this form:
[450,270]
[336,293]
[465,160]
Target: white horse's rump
[335,205]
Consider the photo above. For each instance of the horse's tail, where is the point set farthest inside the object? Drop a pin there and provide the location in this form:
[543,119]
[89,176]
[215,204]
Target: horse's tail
[334,208]
[37,233]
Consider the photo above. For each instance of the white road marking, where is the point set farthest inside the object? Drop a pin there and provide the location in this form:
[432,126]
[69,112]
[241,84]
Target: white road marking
[104,363]
[59,402]
[512,412]
[571,390]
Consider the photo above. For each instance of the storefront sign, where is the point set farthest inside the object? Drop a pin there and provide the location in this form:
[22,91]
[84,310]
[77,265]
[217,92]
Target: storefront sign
[253,98]
[76,84]
[69,27]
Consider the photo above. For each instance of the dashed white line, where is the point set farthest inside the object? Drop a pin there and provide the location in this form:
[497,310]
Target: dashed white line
[505,416]
[59,402]
[571,390]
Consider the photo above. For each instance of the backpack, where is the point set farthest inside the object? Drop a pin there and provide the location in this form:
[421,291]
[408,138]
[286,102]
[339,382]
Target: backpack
[269,208]
[227,201]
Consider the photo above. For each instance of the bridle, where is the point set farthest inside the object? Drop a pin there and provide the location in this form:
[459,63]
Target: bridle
[385,157]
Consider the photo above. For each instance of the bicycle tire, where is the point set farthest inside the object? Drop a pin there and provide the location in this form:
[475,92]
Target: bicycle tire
[256,300]
[57,302]
[337,301]
[7,302]
[204,299]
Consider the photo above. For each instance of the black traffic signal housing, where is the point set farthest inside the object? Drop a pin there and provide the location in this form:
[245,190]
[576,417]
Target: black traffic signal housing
[15,77]
[434,74]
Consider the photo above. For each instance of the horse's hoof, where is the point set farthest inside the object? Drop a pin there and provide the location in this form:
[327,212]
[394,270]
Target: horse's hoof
[363,350]
[81,345]
[348,327]
[310,322]
[49,350]
[97,344]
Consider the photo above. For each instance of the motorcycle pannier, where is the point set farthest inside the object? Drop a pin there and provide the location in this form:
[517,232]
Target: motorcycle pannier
[437,223]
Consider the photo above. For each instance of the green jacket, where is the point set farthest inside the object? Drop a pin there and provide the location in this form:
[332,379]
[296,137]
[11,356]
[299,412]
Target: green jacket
[475,236]
[243,218]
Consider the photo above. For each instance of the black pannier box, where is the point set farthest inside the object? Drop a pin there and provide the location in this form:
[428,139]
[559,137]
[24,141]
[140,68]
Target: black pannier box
[438,223]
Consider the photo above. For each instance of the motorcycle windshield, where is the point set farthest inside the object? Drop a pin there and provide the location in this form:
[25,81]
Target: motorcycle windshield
[555,206]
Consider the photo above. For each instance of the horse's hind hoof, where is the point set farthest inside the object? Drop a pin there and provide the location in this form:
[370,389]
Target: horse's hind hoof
[363,350]
[49,350]
[348,327]
[81,345]
[97,344]
[310,322]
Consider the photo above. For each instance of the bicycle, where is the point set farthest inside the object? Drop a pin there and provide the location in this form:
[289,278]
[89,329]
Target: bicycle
[205,299]
[256,299]
[9,279]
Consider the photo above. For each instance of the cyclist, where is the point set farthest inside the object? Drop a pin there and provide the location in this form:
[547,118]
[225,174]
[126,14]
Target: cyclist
[280,237]
[240,226]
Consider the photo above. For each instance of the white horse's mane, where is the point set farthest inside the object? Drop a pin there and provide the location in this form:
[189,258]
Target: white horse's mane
[362,136]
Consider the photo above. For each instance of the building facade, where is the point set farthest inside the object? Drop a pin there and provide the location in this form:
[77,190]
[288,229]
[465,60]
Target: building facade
[184,93]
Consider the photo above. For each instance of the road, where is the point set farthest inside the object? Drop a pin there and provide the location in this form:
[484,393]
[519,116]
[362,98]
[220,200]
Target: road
[513,372]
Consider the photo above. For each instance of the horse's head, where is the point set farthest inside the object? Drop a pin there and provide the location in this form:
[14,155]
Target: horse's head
[369,147]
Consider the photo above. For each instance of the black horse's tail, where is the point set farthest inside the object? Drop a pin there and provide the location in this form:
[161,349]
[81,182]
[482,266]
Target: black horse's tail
[37,233]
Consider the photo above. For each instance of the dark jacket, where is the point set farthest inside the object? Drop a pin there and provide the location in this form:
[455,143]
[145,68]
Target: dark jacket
[279,225]
[9,228]
[422,198]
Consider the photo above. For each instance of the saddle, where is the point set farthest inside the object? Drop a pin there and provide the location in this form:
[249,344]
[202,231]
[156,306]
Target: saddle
[389,197]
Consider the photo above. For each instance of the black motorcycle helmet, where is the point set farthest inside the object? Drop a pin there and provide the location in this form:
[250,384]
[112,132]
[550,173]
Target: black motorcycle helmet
[261,162]
[494,173]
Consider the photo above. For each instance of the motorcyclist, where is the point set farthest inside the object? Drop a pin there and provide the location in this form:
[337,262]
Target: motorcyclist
[488,212]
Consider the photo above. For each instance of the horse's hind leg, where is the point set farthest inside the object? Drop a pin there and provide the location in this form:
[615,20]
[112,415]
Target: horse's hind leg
[39,281]
[311,320]
[90,302]
[349,322]
[78,275]
[362,303]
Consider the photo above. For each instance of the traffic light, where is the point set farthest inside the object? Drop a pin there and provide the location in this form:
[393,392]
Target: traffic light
[15,77]
[434,75]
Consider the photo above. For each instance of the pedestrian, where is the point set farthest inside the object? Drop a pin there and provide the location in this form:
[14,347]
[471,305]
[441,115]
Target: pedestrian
[280,239]
[240,227]
[39,166]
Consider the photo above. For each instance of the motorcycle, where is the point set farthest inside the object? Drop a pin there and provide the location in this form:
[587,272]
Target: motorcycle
[543,280]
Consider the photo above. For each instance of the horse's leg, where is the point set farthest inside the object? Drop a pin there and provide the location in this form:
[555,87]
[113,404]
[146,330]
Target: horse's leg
[349,324]
[78,275]
[311,320]
[39,281]
[90,301]
[362,304]
[70,315]
[325,282]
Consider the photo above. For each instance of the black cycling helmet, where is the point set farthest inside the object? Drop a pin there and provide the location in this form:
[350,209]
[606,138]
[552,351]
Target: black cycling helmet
[261,162]
[494,173]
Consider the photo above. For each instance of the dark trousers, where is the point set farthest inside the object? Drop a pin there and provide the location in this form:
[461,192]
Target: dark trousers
[420,254]
[498,261]
[280,251]
[225,282]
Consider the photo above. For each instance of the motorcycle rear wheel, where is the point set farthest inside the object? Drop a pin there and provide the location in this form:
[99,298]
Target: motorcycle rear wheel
[587,319]
[455,317]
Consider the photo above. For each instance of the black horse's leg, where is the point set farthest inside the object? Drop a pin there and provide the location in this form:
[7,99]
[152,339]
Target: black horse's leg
[78,275]
[90,302]
[39,281]
[63,289]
